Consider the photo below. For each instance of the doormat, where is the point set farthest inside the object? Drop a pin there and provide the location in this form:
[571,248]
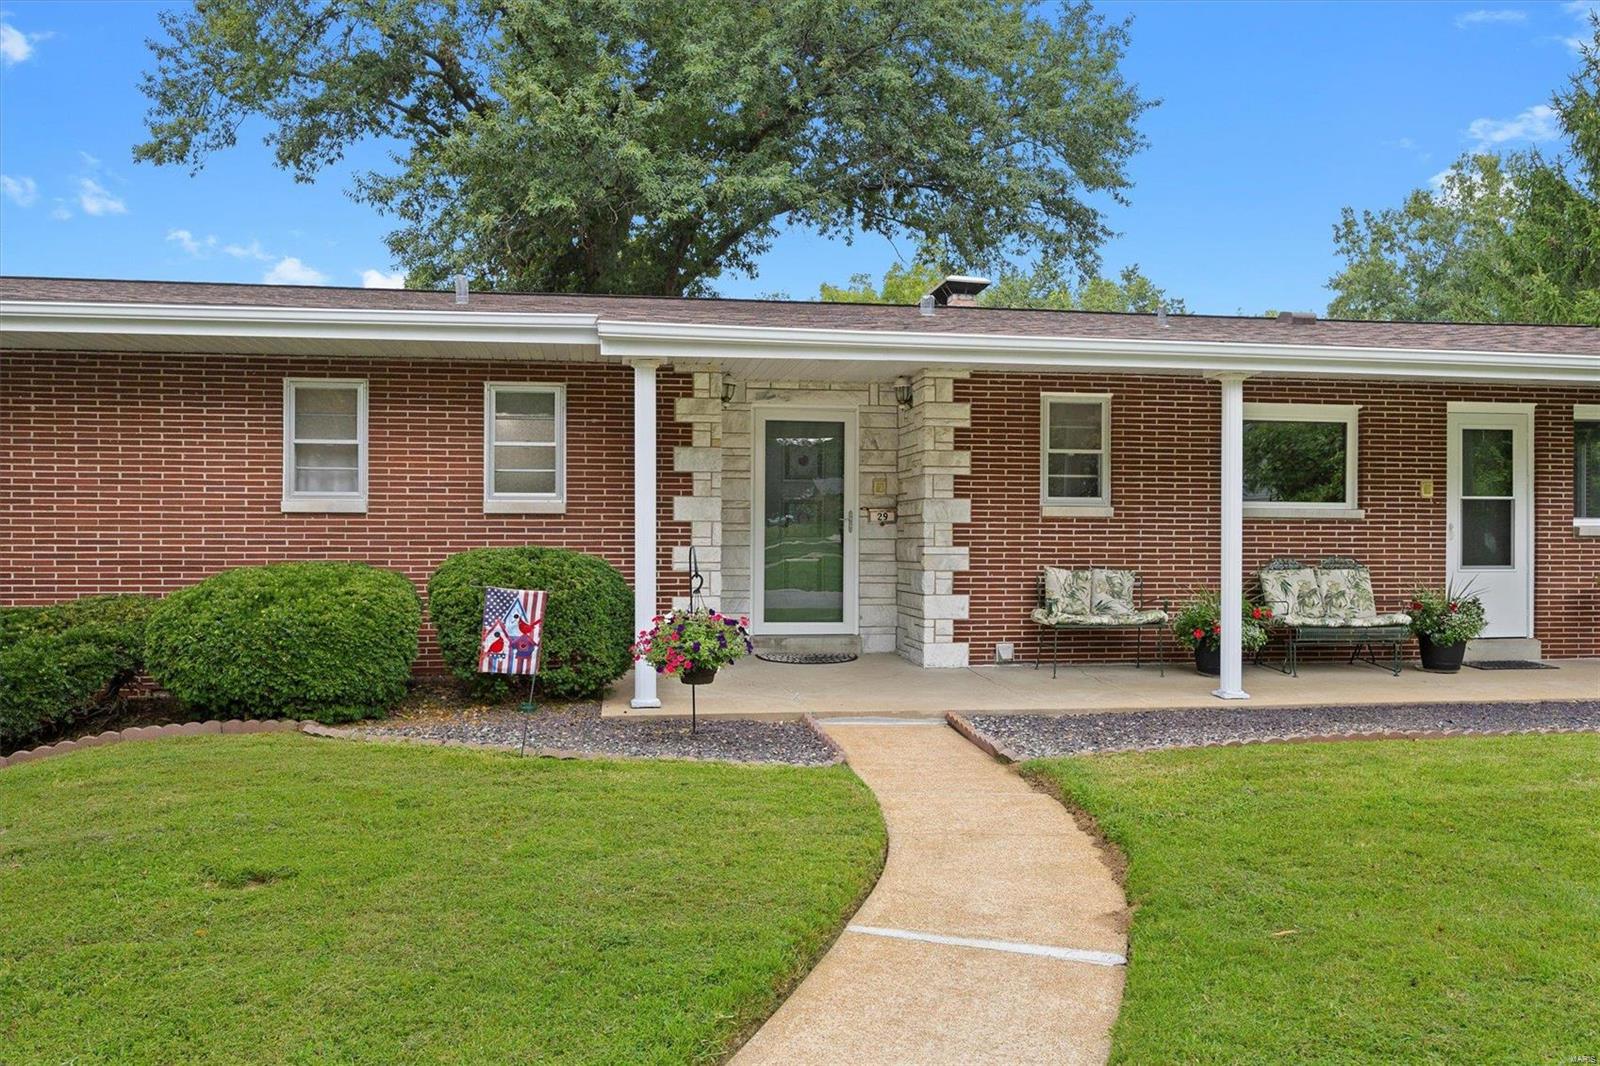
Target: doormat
[810,658]
[1511,664]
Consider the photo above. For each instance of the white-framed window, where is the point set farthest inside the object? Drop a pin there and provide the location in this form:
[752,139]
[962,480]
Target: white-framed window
[324,444]
[1586,469]
[524,448]
[1301,460]
[1075,453]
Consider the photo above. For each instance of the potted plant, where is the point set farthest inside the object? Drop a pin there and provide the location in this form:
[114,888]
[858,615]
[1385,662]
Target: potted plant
[693,645]
[1443,621]
[1198,625]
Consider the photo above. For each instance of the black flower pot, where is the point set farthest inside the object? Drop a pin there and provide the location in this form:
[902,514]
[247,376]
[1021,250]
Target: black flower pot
[1441,658]
[1208,660]
[698,675]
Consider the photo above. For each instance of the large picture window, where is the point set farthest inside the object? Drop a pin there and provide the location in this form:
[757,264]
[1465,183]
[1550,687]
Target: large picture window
[524,448]
[1586,467]
[1300,460]
[1075,453]
[324,445]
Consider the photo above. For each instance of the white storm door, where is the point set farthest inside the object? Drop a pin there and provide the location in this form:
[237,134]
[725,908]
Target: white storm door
[1489,520]
[803,521]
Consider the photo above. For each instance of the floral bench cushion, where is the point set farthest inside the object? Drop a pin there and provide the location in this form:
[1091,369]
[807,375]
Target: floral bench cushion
[1334,597]
[1094,597]
[1151,616]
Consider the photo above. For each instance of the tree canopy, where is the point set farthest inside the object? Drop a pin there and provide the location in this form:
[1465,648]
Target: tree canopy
[1045,288]
[1503,238]
[649,146]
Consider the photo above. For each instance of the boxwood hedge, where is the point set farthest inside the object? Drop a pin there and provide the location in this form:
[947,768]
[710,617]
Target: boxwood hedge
[323,640]
[588,628]
[58,664]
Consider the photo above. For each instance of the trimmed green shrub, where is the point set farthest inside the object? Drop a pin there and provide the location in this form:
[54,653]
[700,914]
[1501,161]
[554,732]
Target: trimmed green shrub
[59,664]
[329,641]
[588,627]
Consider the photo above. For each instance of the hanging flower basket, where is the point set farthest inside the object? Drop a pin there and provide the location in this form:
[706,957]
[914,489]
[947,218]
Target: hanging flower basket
[693,645]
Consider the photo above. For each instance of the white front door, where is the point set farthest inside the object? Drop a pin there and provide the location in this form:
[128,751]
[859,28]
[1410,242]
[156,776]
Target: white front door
[803,571]
[1490,511]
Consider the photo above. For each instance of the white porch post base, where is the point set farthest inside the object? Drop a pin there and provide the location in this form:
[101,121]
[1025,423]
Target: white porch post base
[1232,521]
[644,521]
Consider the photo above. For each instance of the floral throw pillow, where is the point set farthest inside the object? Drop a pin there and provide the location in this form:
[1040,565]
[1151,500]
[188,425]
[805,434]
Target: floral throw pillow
[1347,592]
[1293,591]
[1113,592]
[1066,592]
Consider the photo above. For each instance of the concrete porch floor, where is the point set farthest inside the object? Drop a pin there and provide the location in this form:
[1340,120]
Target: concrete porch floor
[889,685]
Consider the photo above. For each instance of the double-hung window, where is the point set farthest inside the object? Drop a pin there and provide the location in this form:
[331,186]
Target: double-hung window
[524,448]
[1075,454]
[1300,460]
[324,445]
[1586,469]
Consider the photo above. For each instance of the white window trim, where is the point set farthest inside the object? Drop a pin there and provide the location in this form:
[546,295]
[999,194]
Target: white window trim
[325,502]
[1350,415]
[1075,507]
[524,502]
[1586,412]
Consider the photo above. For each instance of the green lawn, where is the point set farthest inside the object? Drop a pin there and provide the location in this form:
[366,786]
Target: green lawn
[1356,902]
[284,899]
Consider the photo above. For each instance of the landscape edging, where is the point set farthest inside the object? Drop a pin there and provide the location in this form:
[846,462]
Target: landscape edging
[211,727]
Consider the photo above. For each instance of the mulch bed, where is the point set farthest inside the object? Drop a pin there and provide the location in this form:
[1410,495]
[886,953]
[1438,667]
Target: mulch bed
[1030,736]
[440,712]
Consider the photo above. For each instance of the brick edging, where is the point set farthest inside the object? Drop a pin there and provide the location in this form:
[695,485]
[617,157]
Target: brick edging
[959,723]
[822,734]
[155,732]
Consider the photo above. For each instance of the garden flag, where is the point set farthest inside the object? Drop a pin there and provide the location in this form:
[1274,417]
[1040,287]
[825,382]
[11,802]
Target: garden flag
[513,626]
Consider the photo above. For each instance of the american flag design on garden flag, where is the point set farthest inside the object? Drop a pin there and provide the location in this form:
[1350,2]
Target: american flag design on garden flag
[513,628]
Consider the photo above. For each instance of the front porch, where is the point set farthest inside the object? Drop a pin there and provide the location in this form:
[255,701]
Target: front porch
[890,685]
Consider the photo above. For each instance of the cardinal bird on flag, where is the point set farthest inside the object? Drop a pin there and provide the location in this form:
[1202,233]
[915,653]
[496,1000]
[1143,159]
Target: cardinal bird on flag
[513,625]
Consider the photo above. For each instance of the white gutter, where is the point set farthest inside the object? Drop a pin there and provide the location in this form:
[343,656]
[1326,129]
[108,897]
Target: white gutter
[679,341]
[312,323]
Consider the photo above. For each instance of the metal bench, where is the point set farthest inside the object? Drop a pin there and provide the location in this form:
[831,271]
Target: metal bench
[1096,599]
[1331,603]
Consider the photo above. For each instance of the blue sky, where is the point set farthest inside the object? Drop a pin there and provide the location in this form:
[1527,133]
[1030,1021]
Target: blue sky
[1273,117]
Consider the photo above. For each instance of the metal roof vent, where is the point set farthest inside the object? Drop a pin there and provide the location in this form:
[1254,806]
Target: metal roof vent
[925,306]
[1298,318]
[958,290]
[461,289]
[1161,316]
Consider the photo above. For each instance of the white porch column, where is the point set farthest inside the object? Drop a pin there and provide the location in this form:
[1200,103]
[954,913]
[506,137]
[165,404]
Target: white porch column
[1232,515]
[644,520]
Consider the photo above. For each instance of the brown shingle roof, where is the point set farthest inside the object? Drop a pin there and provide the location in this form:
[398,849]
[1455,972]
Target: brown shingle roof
[1575,340]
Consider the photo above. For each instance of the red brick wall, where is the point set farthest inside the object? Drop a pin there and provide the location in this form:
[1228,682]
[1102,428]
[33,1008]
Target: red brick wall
[134,473]
[1165,482]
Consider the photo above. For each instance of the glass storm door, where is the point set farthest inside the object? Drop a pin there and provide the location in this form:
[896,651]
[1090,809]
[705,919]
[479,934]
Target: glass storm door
[1489,524]
[804,572]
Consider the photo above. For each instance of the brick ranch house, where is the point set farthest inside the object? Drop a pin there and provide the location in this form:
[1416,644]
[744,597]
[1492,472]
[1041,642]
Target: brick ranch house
[910,468]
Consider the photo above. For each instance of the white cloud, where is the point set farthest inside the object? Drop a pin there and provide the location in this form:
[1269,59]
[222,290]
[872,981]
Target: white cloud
[1438,180]
[377,279]
[96,200]
[291,271]
[16,46]
[60,212]
[195,246]
[1537,123]
[253,250]
[1484,16]
[21,191]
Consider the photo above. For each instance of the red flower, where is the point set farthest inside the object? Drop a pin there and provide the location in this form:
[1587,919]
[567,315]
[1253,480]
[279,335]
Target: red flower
[1255,613]
[1416,605]
[1266,612]
[1453,607]
[1217,628]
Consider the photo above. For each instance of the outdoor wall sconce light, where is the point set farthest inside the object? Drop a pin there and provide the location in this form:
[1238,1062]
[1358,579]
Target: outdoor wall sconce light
[902,391]
[728,391]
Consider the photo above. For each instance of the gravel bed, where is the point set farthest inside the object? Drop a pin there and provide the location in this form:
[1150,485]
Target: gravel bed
[578,728]
[1028,736]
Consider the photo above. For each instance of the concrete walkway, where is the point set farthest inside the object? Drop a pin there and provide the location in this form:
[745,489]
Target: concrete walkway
[996,933]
